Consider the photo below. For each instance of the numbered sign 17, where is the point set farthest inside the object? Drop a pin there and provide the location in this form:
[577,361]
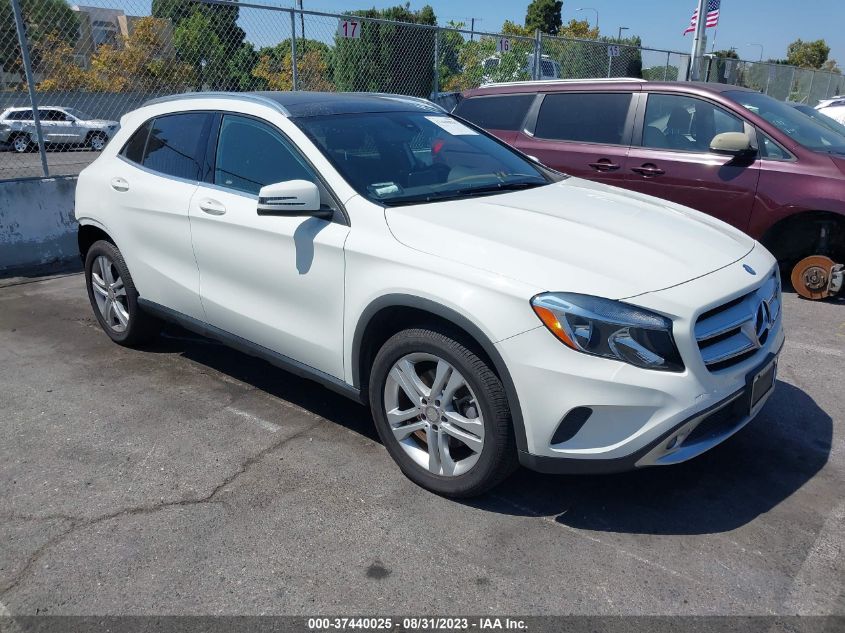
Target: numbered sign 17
[349,29]
[503,45]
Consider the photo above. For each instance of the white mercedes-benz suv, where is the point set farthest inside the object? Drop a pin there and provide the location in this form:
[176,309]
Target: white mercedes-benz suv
[489,310]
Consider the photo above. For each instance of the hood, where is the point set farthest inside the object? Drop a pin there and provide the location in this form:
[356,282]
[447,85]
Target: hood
[101,123]
[575,235]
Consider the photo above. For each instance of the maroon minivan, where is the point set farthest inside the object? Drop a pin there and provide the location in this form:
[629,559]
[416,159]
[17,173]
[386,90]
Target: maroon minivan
[733,153]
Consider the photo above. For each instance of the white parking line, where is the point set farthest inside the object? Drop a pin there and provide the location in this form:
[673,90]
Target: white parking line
[264,424]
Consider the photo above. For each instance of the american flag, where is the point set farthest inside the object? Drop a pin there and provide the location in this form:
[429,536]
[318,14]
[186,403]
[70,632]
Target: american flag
[712,16]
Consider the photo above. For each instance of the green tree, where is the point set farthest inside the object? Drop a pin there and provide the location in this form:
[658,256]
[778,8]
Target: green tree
[208,37]
[274,68]
[44,19]
[388,57]
[544,15]
[807,54]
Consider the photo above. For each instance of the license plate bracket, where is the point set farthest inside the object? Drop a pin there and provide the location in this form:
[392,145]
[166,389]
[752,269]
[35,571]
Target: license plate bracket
[762,383]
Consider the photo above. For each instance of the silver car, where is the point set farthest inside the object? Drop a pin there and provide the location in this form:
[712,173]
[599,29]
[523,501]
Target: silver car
[60,127]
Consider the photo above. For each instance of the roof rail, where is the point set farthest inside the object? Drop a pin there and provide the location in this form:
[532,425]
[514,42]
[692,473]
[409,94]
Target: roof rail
[235,96]
[547,82]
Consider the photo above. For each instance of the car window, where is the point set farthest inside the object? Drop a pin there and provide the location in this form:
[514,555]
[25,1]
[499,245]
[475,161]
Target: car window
[21,115]
[678,122]
[176,144]
[497,112]
[134,148]
[53,115]
[251,154]
[584,117]
[771,150]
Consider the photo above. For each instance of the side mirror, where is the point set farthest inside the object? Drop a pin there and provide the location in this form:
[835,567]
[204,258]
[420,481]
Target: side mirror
[292,198]
[733,144]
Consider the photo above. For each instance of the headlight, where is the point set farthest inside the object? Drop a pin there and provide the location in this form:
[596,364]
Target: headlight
[610,329]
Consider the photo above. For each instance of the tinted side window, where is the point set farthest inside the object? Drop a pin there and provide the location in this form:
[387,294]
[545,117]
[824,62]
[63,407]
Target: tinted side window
[685,123]
[500,112]
[134,148]
[176,144]
[52,115]
[584,117]
[21,115]
[251,154]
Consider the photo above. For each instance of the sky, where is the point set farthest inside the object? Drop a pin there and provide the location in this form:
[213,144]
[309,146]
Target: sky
[660,23]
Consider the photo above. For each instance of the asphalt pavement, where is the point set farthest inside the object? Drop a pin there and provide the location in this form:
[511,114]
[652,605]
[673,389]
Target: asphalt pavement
[187,478]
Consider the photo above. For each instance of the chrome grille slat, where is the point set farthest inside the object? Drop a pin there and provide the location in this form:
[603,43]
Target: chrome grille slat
[731,347]
[732,332]
[724,322]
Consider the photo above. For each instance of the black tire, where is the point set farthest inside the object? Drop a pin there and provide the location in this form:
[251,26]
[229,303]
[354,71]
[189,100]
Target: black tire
[498,457]
[142,327]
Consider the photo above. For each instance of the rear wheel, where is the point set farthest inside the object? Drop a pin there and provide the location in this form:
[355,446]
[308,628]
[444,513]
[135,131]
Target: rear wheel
[114,298]
[442,413]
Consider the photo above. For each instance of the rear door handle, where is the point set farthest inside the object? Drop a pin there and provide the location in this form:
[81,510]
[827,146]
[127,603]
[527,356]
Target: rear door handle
[649,170]
[211,207]
[604,165]
[119,184]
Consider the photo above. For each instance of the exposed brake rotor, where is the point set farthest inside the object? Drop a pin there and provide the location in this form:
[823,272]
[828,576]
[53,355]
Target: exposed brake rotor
[811,277]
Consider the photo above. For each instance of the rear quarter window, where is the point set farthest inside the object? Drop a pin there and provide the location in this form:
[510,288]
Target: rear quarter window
[495,112]
[134,148]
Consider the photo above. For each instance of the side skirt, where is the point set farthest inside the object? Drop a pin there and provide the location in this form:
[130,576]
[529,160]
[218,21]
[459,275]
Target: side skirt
[252,349]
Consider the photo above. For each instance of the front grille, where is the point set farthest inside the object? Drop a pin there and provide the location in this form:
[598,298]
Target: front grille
[736,330]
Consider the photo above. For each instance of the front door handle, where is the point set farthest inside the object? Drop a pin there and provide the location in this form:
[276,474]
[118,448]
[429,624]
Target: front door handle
[604,165]
[649,169]
[212,207]
[119,184]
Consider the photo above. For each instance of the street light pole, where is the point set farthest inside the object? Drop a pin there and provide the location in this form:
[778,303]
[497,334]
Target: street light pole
[596,12]
[761,49]
[621,28]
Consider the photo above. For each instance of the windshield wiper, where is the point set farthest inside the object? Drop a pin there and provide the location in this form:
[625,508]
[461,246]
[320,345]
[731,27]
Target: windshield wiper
[452,194]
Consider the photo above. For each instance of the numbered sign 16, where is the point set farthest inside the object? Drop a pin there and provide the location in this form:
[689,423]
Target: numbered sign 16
[349,29]
[503,45]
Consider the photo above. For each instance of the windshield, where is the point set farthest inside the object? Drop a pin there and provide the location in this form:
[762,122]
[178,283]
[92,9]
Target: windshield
[78,114]
[821,119]
[799,127]
[395,158]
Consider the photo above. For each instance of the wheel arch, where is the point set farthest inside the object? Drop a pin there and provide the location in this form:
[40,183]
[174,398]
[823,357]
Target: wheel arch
[393,313]
[89,233]
[799,235]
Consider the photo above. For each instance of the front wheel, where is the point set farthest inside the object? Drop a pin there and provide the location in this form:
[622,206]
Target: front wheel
[442,413]
[21,144]
[97,141]
[114,298]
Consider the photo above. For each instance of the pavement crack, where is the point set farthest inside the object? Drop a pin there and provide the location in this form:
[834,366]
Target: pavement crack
[77,524]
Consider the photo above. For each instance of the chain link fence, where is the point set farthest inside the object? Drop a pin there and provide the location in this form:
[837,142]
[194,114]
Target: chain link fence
[86,65]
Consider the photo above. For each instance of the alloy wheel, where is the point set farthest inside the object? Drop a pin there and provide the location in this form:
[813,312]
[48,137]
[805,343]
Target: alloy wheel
[98,142]
[434,414]
[21,144]
[110,293]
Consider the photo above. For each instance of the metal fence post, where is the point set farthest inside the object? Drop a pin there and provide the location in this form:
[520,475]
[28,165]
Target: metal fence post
[812,81]
[538,50]
[30,84]
[827,90]
[666,70]
[295,74]
[436,62]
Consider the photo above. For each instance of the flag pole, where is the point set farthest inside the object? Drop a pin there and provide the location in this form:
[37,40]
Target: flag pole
[700,25]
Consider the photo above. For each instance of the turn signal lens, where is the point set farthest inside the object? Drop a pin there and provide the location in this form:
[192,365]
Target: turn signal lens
[551,321]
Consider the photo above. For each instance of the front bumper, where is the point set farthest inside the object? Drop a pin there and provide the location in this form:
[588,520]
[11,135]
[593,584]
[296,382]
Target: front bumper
[637,414]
